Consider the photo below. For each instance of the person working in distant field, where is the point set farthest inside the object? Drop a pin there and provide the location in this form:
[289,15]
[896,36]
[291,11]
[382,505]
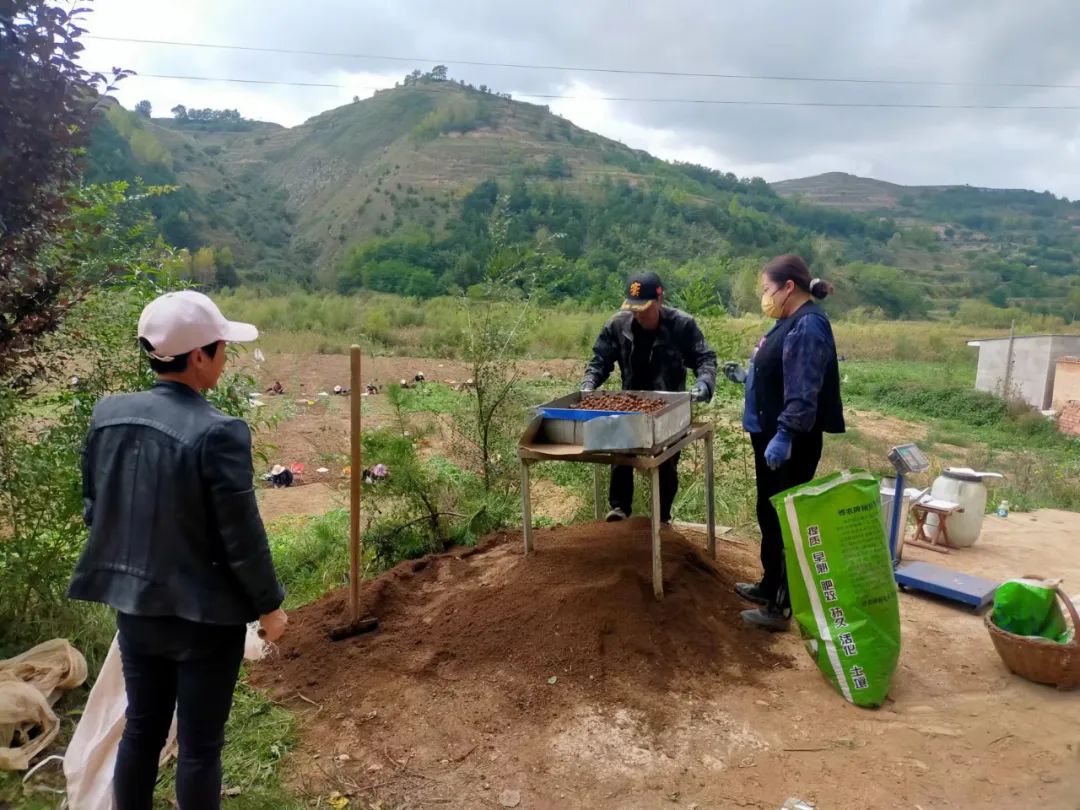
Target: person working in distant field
[653,345]
[792,398]
[177,548]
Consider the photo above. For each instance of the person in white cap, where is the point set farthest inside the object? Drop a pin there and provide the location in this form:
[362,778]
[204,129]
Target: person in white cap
[281,476]
[177,548]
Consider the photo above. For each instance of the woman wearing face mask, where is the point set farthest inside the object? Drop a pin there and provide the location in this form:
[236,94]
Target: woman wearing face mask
[792,398]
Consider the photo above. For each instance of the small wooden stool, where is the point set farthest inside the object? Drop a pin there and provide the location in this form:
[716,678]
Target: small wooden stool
[921,511]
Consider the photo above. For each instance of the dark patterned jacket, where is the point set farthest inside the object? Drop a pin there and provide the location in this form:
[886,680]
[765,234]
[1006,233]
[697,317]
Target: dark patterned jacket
[795,380]
[679,345]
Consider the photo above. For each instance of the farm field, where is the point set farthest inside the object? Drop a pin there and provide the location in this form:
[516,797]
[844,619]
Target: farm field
[450,702]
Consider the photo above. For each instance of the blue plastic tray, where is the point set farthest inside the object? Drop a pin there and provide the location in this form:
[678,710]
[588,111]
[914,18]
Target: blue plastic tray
[577,414]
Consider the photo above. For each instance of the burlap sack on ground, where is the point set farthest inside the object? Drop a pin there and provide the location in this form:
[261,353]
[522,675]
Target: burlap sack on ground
[29,684]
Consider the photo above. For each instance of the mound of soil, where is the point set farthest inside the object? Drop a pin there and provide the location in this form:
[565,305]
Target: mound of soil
[656,704]
[581,609]
[489,665]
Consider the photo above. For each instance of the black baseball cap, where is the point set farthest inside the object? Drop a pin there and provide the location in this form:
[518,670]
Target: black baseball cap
[642,291]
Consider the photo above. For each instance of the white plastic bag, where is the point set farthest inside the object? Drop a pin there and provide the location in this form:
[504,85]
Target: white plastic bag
[91,755]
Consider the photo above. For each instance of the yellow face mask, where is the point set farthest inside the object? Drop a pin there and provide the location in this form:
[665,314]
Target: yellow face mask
[771,307]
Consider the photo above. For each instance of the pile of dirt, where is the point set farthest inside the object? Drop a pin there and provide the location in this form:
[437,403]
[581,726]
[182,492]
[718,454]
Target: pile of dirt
[654,704]
[489,662]
[580,610]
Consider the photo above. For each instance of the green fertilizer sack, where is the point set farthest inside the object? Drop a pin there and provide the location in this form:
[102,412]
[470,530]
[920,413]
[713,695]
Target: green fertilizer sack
[1029,607]
[843,594]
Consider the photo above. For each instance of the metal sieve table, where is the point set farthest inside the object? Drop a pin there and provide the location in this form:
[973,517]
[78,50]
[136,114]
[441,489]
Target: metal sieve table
[531,450]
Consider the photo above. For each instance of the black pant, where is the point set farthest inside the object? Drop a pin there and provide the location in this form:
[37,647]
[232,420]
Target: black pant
[800,468]
[172,663]
[621,491]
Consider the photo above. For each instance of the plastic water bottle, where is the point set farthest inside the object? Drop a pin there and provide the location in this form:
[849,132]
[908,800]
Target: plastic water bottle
[1003,509]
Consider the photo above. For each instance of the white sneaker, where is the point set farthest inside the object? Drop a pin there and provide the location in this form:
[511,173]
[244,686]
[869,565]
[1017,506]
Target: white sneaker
[615,515]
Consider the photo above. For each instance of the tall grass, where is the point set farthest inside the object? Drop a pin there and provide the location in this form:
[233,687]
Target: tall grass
[311,555]
[966,428]
[326,323]
[316,323]
[944,396]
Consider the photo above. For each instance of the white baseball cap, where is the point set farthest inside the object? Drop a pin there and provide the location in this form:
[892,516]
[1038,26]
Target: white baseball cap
[179,322]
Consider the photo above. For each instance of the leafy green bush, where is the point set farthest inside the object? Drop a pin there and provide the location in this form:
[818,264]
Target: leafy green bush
[424,506]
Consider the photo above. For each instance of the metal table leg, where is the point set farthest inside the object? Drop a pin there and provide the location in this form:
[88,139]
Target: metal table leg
[710,502]
[526,507]
[657,565]
[598,492]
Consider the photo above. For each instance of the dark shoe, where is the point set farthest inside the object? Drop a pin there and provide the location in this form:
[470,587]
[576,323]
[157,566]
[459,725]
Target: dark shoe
[615,515]
[751,592]
[766,619]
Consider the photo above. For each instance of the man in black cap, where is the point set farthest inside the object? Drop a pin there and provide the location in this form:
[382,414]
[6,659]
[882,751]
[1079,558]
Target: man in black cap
[653,345]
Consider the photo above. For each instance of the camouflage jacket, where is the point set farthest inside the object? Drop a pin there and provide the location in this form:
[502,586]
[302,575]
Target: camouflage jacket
[679,345]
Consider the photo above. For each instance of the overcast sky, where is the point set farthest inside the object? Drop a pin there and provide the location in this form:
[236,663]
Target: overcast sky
[966,41]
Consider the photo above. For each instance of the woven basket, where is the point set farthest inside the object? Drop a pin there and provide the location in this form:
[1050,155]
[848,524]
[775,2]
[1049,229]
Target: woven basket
[1039,659]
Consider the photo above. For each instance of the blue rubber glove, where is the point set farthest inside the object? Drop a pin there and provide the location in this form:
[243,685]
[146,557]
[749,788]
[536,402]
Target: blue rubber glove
[779,449]
[734,372]
[699,392]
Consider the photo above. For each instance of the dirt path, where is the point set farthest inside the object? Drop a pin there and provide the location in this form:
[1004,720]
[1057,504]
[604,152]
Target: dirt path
[887,428]
[314,499]
[660,705]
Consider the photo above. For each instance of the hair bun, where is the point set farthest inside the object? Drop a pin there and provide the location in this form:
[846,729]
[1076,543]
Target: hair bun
[819,288]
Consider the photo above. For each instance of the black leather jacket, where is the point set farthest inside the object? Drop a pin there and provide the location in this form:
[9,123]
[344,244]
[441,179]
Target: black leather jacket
[168,497]
[679,345]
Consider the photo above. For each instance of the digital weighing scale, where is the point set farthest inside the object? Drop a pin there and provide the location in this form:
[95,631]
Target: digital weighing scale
[975,592]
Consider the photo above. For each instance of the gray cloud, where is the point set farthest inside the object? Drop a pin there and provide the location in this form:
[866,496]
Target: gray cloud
[952,40]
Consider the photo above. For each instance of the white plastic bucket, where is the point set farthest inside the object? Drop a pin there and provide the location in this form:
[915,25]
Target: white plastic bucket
[964,527]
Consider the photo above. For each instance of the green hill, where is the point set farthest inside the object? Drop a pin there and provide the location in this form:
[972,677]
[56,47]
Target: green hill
[988,226]
[841,190]
[425,188]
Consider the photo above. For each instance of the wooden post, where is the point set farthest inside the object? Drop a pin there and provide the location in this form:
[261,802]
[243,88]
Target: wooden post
[356,549]
[710,502]
[526,507]
[598,492]
[657,564]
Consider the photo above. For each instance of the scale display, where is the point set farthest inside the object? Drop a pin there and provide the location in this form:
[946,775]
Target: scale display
[908,459]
